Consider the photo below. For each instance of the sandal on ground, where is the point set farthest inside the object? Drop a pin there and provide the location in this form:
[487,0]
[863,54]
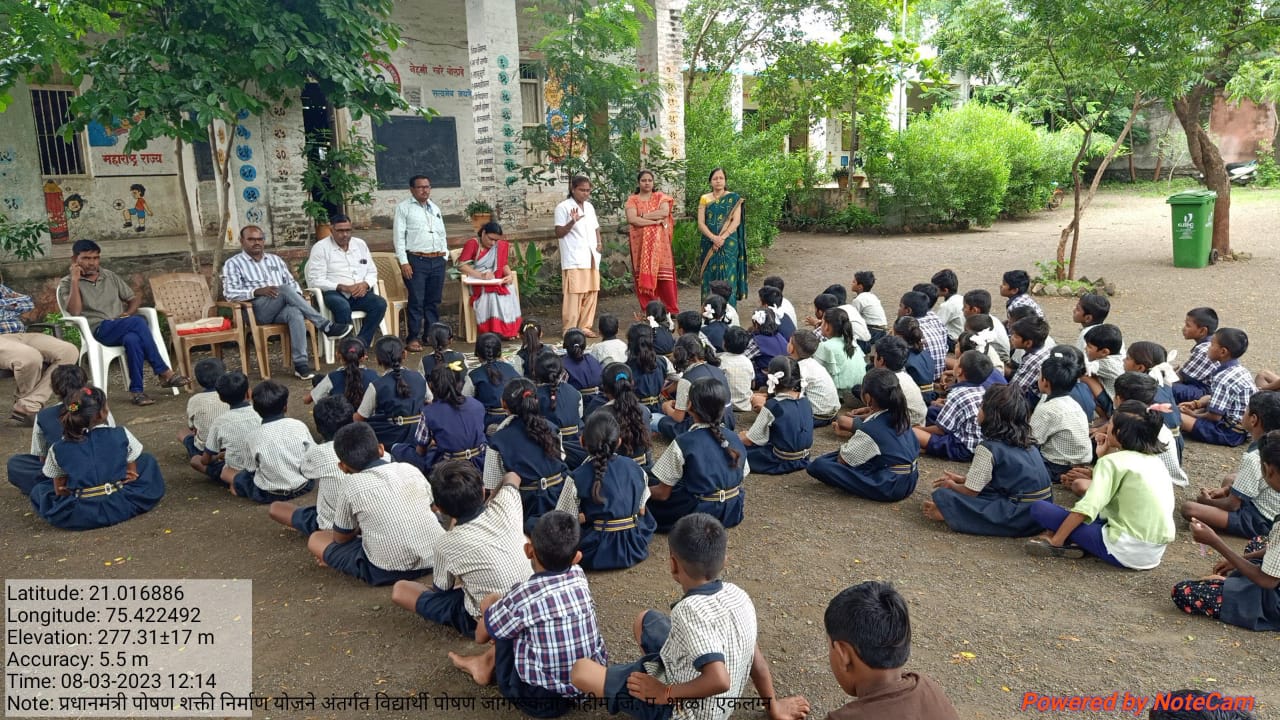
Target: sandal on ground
[1041,547]
[175,381]
[590,333]
[414,347]
[141,400]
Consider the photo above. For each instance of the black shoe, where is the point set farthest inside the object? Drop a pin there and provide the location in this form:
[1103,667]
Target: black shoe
[303,372]
[23,419]
[337,331]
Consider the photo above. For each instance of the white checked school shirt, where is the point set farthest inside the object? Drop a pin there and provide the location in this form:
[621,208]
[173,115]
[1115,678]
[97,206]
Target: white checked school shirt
[1230,388]
[276,450]
[820,388]
[1271,560]
[1028,374]
[1023,299]
[202,409]
[390,504]
[1061,430]
[485,554]
[1250,484]
[915,399]
[739,371]
[329,266]
[230,434]
[715,622]
[669,469]
[860,449]
[979,475]
[321,464]
[241,275]
[1198,365]
[418,228]
[607,351]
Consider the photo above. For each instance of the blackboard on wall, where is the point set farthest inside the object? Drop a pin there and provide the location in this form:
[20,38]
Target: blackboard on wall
[413,145]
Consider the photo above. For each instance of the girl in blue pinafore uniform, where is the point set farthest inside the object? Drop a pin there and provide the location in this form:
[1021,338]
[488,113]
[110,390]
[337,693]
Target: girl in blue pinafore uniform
[440,338]
[452,425]
[486,382]
[582,370]
[779,440]
[694,361]
[349,381]
[100,476]
[561,405]
[714,324]
[392,404]
[528,446]
[632,417]
[879,461]
[703,470]
[607,494]
[767,342]
[919,362]
[26,470]
[530,348]
[649,369]
[1007,475]
[664,339]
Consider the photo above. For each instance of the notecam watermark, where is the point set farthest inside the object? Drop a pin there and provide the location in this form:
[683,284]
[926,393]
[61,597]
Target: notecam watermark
[1126,702]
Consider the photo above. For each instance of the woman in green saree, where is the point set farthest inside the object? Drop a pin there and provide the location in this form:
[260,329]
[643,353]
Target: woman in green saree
[724,237]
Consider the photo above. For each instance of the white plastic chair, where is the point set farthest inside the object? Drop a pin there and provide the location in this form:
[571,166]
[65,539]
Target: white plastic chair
[101,356]
[357,321]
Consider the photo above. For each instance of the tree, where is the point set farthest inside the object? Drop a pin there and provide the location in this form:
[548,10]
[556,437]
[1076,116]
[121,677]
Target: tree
[44,36]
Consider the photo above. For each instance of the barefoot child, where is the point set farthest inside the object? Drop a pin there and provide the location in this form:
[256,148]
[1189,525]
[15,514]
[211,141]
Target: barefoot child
[273,458]
[879,461]
[320,464]
[480,554]
[1007,474]
[782,435]
[202,409]
[383,527]
[869,636]
[1193,376]
[392,404]
[528,446]
[541,627]
[227,443]
[1244,506]
[705,650]
[1215,418]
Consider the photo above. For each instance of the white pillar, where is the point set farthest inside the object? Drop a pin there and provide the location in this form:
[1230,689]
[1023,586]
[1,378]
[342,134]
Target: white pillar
[659,58]
[495,104]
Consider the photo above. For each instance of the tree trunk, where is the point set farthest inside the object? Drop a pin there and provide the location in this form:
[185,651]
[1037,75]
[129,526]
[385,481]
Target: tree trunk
[193,239]
[1208,160]
[224,234]
[1075,205]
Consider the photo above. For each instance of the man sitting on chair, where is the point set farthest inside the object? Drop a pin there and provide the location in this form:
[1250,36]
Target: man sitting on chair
[111,307]
[264,280]
[30,356]
[341,267]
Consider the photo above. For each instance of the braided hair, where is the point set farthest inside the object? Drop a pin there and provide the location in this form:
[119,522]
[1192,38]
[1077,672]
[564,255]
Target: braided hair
[884,389]
[446,385]
[82,410]
[617,381]
[531,339]
[575,343]
[688,351]
[707,399]
[547,369]
[489,349]
[640,353]
[520,398]
[718,307]
[440,336]
[601,440]
[352,351]
[908,328]
[837,320]
[390,352]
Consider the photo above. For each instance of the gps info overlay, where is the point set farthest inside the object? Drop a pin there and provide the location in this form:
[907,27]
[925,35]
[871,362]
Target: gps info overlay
[141,648]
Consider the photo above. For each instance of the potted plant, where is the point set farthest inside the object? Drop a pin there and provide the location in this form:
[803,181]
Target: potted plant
[335,177]
[480,213]
[841,176]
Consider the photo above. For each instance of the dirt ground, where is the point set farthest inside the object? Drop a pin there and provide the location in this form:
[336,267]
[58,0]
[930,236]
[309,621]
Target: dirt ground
[990,623]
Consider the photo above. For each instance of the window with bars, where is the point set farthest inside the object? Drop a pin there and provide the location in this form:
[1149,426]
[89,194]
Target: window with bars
[532,104]
[57,156]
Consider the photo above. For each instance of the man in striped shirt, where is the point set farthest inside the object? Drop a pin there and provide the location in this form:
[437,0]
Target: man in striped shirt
[264,280]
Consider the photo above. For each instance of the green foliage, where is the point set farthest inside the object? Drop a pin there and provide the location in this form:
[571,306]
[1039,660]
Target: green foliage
[685,244]
[611,278]
[850,219]
[528,265]
[754,163]
[21,238]
[46,37]
[336,175]
[1258,79]
[1053,273]
[1268,173]
[477,207]
[70,333]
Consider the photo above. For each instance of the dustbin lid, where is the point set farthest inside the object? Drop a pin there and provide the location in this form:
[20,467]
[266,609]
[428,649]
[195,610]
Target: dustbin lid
[1192,197]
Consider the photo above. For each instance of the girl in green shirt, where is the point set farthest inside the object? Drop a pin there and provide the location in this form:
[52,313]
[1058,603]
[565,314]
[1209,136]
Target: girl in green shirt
[839,352]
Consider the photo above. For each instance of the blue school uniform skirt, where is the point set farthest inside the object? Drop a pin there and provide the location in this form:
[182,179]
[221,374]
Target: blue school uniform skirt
[1003,507]
[614,535]
[616,544]
[25,472]
[790,438]
[877,481]
[1249,605]
[91,505]
[709,485]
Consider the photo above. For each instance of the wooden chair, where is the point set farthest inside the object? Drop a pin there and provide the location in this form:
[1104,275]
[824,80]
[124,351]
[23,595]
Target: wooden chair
[466,313]
[101,356]
[262,333]
[391,288]
[185,297]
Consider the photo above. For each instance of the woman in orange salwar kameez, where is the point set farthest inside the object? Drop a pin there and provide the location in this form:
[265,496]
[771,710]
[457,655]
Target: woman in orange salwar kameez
[650,214]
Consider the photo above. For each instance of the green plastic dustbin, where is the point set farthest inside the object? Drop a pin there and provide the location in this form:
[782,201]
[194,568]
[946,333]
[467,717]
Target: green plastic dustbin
[1192,227]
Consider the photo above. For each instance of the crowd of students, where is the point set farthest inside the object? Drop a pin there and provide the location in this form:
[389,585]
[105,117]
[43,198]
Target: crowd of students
[507,480]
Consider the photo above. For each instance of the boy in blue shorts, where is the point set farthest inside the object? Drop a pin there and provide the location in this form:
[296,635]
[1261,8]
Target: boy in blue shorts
[320,464]
[272,466]
[1215,418]
[1245,505]
[1193,375]
[704,651]
[955,433]
[481,553]
[542,627]
[227,443]
[202,409]
[383,526]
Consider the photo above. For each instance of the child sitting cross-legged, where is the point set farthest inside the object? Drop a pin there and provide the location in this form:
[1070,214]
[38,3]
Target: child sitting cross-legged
[1244,590]
[528,445]
[1245,506]
[779,440]
[1215,418]
[737,367]
[955,433]
[227,444]
[1104,349]
[1151,359]
[392,404]
[704,651]
[840,353]
[649,369]
[1126,515]
[879,461]
[1193,375]
[487,382]
[383,527]
[26,469]
[348,381]
[202,409]
[581,370]
[321,465]
[819,387]
[451,426]
[481,552]
[695,361]
[1031,336]
[610,349]
[1007,474]
[537,632]
[714,322]
[618,385]
[869,637]
[272,467]
[1058,425]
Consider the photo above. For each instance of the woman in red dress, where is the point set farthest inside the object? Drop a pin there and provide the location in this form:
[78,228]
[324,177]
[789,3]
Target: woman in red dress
[649,213]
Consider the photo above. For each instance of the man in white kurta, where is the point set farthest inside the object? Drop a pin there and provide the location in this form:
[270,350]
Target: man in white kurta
[580,246]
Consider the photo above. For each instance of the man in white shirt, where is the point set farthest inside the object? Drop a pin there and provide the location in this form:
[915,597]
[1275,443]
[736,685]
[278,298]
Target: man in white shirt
[421,249]
[262,279]
[341,266]
[580,246]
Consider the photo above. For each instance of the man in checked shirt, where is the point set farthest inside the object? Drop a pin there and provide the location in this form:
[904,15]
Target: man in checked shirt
[31,357]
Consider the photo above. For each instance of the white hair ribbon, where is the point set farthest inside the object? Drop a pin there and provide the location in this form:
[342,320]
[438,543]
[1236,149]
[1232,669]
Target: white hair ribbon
[804,385]
[759,317]
[1164,374]
[772,380]
[708,313]
[653,323]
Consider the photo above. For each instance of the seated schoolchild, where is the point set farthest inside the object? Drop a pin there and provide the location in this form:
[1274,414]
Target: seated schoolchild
[1104,349]
[528,445]
[1215,418]
[819,387]
[782,435]
[703,469]
[1007,474]
[350,380]
[227,444]
[451,428]
[1030,335]
[951,310]
[1193,375]
[481,553]
[1014,288]
[607,496]
[868,305]
[1058,425]
[26,469]
[581,370]
[767,342]
[663,327]
[96,475]
[618,385]
[771,299]
[1126,515]
[1151,359]
[392,404]
[978,302]
[725,291]
[714,322]
[879,461]
[610,348]
[705,650]
[202,409]
[919,361]
[955,433]
[737,367]
[561,404]
[440,338]
[486,382]
[383,527]
[694,361]
[320,465]
[1244,506]
[273,460]
[689,322]
[1243,590]
[1091,310]
[933,333]
[541,628]
[650,369]
[869,633]
[784,306]
[840,353]
[822,304]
